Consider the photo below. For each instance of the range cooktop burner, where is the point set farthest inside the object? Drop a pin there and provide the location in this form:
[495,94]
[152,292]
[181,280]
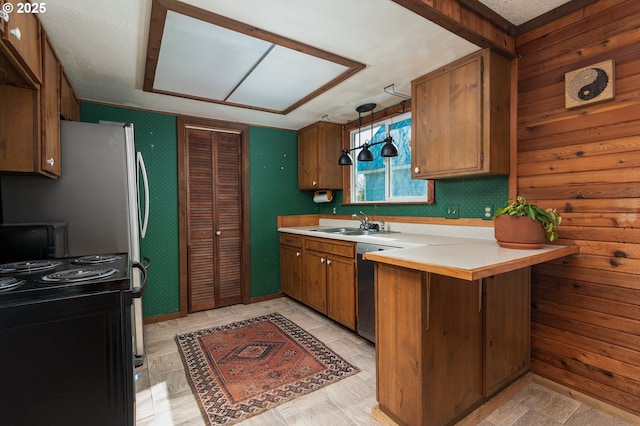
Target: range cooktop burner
[8,283]
[77,275]
[29,266]
[96,259]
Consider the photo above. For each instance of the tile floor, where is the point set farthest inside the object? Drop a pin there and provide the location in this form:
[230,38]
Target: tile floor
[164,397]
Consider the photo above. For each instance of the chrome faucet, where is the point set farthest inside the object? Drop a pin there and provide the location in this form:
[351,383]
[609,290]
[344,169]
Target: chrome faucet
[364,223]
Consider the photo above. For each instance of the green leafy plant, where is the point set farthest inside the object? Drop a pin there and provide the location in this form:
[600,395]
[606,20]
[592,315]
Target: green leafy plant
[550,218]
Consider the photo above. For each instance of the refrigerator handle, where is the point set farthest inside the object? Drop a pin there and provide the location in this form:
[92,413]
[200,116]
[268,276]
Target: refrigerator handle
[138,293]
[143,222]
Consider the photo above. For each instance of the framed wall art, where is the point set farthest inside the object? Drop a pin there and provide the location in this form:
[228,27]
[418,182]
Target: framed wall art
[589,85]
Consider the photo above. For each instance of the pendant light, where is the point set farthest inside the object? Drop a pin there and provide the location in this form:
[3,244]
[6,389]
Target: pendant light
[388,149]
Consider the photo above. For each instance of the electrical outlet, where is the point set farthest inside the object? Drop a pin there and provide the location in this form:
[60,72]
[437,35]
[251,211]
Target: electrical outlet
[451,211]
[488,212]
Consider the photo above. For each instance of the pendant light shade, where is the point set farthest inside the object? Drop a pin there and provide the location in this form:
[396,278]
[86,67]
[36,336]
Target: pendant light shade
[345,158]
[365,154]
[389,149]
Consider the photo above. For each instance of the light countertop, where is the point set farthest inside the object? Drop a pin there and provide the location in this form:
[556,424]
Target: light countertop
[459,252]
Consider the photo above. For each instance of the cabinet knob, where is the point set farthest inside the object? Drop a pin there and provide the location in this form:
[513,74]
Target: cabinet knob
[314,183]
[218,233]
[16,33]
[416,170]
[322,260]
[297,254]
[328,262]
[51,161]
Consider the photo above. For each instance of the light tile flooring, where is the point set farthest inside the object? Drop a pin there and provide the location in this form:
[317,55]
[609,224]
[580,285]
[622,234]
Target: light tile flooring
[164,398]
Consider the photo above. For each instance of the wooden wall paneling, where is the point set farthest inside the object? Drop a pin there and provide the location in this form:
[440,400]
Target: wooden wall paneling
[537,28]
[585,162]
[585,46]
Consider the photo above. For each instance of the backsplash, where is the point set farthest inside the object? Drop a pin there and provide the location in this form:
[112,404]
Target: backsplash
[471,195]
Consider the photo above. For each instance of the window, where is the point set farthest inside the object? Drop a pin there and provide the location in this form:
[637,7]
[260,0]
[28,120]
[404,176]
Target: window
[385,180]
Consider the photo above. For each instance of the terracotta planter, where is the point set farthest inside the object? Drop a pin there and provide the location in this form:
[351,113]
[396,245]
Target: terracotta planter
[519,232]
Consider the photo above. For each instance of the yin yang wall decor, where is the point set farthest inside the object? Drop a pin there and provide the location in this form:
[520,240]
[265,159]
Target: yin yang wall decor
[590,84]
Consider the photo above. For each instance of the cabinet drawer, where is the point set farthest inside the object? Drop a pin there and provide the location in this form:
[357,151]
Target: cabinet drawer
[338,248]
[291,240]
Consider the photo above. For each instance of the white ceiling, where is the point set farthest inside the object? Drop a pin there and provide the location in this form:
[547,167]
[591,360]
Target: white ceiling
[102,46]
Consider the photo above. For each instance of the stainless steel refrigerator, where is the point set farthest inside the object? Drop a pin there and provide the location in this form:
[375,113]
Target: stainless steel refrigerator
[98,195]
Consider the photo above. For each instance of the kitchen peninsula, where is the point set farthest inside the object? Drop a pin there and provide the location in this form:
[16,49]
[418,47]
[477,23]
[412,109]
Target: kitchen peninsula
[452,326]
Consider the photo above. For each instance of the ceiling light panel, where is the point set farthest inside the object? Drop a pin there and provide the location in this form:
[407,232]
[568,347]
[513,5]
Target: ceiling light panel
[204,60]
[198,54]
[283,77]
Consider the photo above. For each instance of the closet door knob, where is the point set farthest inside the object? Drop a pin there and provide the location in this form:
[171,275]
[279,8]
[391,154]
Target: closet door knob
[218,233]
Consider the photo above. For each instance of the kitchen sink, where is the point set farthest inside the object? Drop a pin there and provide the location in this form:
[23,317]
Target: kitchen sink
[351,231]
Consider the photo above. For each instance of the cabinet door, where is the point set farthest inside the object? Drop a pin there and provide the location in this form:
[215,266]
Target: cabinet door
[319,147]
[50,99]
[22,36]
[447,121]
[291,271]
[308,158]
[507,328]
[341,291]
[315,280]
[19,130]
[329,150]
[461,118]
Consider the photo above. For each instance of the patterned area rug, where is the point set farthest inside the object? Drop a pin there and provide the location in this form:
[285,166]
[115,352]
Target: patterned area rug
[242,369]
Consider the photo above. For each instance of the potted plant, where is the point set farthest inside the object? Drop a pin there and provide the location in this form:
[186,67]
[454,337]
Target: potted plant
[520,224]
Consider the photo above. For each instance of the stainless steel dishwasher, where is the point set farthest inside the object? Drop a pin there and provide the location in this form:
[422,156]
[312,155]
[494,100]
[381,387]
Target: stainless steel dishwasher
[366,323]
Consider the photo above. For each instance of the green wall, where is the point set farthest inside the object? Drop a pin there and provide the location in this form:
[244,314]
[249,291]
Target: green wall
[273,156]
[273,192]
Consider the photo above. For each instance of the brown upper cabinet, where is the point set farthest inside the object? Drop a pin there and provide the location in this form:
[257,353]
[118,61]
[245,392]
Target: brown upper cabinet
[319,147]
[20,47]
[461,118]
[69,105]
[50,103]
[30,113]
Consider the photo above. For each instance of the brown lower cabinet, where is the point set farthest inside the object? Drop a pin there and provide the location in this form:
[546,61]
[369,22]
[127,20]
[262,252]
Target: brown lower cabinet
[321,273]
[445,345]
[291,265]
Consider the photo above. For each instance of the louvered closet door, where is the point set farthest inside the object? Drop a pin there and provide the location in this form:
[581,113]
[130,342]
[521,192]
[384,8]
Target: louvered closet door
[214,225]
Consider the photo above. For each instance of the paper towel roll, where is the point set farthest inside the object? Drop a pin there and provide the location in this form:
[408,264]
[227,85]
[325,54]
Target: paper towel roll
[322,196]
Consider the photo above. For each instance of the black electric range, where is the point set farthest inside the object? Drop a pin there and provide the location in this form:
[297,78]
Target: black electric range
[66,331]
[42,279]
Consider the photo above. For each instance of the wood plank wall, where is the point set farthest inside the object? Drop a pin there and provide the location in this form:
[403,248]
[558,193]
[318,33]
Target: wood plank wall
[585,162]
